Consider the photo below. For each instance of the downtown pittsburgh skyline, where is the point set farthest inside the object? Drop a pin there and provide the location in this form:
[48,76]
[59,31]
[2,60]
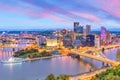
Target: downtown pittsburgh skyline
[58,14]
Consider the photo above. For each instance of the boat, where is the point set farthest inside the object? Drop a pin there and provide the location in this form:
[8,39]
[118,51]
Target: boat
[12,60]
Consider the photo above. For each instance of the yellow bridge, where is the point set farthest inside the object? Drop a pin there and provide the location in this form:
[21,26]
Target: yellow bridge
[99,58]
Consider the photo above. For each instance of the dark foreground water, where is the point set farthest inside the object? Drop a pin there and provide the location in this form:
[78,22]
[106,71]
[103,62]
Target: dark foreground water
[42,68]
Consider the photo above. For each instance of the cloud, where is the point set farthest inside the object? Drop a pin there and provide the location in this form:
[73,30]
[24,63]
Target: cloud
[65,11]
[110,6]
[113,7]
[87,16]
[31,12]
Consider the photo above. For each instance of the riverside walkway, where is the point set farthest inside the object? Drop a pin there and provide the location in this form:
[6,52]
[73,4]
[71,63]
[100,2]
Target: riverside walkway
[87,76]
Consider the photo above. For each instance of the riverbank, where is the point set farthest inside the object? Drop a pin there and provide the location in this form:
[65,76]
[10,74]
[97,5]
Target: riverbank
[90,75]
[54,56]
[87,75]
[44,67]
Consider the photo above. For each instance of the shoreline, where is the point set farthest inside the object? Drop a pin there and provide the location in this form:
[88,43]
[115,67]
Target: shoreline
[88,75]
[53,56]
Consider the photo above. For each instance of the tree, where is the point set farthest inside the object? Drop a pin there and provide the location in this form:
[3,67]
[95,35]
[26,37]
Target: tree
[109,74]
[50,77]
[60,77]
[118,54]
[63,77]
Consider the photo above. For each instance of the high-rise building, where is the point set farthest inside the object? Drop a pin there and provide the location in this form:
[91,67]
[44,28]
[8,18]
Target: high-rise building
[84,34]
[40,40]
[103,33]
[78,29]
[78,32]
[90,40]
[88,29]
[59,37]
[76,24]
[67,40]
[97,41]
[108,37]
[72,34]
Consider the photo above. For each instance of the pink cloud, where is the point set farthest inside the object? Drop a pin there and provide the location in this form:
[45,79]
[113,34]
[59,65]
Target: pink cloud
[87,16]
[33,12]
[110,6]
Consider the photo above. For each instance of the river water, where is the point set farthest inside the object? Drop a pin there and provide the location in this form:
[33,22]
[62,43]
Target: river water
[41,68]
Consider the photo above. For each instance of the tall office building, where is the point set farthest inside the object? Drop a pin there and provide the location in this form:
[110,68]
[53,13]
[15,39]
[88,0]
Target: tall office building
[88,29]
[90,40]
[76,24]
[59,37]
[103,33]
[84,33]
[40,40]
[67,40]
[108,37]
[97,41]
[78,31]
[103,36]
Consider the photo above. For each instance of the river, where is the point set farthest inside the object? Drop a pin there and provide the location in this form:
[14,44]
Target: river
[41,68]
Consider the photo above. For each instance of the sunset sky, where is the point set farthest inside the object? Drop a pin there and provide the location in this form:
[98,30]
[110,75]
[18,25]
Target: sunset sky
[55,14]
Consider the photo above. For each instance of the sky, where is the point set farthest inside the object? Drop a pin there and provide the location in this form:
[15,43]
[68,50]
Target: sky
[57,14]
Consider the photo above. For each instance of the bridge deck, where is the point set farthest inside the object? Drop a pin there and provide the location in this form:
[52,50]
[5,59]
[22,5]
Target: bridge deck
[103,59]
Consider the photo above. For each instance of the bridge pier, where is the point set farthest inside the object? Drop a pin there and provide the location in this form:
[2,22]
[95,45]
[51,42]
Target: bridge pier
[8,53]
[103,64]
[107,65]
[78,56]
[75,56]
[13,50]
[2,54]
[18,49]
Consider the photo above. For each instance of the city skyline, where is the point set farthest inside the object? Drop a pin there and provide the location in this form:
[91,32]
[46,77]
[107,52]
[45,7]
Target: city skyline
[46,14]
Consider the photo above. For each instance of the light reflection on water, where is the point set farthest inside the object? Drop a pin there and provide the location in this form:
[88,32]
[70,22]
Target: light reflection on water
[42,68]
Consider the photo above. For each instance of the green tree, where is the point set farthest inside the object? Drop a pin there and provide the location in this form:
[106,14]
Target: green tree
[50,77]
[109,74]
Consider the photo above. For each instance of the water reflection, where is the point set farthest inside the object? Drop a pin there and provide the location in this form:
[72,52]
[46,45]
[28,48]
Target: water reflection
[42,68]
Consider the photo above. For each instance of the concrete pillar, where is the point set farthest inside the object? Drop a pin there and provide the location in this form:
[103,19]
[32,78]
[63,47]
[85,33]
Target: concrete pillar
[107,65]
[2,54]
[78,56]
[8,53]
[103,63]
[13,49]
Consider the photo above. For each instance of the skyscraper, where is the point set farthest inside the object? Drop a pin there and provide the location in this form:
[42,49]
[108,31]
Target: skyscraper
[108,37]
[90,40]
[67,40]
[103,33]
[88,29]
[97,41]
[76,24]
[78,31]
